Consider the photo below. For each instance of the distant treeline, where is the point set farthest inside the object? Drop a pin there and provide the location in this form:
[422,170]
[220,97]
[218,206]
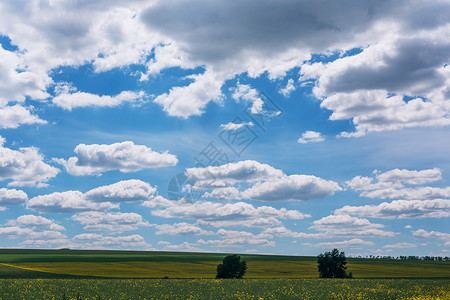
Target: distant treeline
[410,257]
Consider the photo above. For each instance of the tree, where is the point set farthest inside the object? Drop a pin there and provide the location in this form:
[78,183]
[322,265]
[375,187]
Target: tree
[332,265]
[231,267]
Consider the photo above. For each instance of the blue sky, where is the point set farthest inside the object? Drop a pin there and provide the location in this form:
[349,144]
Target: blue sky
[292,127]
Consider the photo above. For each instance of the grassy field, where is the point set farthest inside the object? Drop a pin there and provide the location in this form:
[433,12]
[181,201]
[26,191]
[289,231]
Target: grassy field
[66,274]
[124,264]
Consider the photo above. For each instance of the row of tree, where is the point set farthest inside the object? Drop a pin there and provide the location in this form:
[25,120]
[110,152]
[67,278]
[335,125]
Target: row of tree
[410,257]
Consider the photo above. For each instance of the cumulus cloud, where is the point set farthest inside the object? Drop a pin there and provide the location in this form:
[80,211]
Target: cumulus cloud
[271,184]
[14,116]
[34,230]
[310,137]
[158,201]
[244,92]
[400,246]
[349,243]
[26,167]
[122,191]
[205,88]
[345,225]
[106,33]
[17,83]
[185,246]
[36,223]
[411,176]
[294,187]
[12,197]
[288,89]
[391,35]
[229,174]
[99,199]
[281,231]
[391,184]
[226,193]
[115,222]
[401,209]
[237,242]
[370,87]
[409,193]
[421,233]
[235,126]
[248,42]
[126,157]
[99,241]
[69,201]
[181,229]
[231,214]
[70,101]
[14,232]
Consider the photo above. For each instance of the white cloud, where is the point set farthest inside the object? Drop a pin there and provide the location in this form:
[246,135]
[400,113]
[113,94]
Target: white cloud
[232,238]
[36,223]
[115,222]
[294,187]
[400,246]
[166,56]
[16,82]
[284,232]
[244,92]
[237,242]
[191,100]
[99,199]
[288,89]
[310,137]
[158,201]
[59,33]
[70,101]
[126,157]
[99,241]
[14,116]
[235,126]
[409,193]
[226,193]
[421,233]
[231,214]
[112,34]
[401,209]
[122,191]
[391,184]
[12,197]
[369,87]
[69,201]
[229,174]
[25,167]
[181,229]
[349,243]
[185,246]
[411,177]
[345,225]
[34,231]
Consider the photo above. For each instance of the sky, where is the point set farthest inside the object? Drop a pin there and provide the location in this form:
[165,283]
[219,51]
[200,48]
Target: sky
[257,126]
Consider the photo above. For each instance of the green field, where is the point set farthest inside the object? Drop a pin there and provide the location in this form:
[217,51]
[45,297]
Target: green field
[51,274]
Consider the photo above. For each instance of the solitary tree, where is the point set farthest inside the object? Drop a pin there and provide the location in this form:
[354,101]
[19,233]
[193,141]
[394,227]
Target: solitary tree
[332,265]
[231,267]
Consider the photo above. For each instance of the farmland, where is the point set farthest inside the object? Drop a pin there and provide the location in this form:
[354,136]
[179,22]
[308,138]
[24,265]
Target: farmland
[47,274]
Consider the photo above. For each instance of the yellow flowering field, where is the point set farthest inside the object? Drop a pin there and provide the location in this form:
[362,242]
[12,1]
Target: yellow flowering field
[11,289]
